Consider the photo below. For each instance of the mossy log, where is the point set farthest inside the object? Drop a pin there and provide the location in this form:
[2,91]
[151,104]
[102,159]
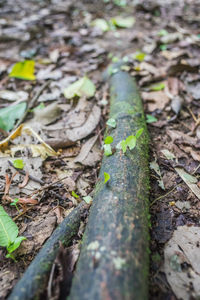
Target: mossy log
[113,264]
[34,280]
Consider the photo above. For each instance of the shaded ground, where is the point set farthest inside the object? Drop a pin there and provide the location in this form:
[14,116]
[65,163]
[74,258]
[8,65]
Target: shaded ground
[162,48]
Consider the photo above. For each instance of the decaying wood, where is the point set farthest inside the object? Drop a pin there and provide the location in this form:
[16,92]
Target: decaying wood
[113,263]
[35,279]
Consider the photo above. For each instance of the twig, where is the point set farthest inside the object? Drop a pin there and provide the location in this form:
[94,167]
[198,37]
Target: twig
[163,196]
[32,102]
[24,173]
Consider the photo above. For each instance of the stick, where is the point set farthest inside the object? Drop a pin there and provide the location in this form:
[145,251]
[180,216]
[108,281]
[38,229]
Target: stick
[32,102]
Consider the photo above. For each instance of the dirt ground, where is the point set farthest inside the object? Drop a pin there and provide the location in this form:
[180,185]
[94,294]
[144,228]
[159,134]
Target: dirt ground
[162,51]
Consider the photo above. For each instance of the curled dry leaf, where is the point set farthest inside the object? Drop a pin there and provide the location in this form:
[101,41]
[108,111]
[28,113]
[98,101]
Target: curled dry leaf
[66,137]
[155,100]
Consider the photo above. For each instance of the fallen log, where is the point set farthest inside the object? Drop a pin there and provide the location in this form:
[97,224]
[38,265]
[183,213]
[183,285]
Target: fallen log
[113,264]
[34,281]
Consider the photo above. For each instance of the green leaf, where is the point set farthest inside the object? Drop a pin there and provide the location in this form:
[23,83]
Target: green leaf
[82,87]
[139,132]
[151,119]
[123,145]
[23,70]
[157,87]
[10,114]
[108,140]
[163,32]
[107,150]
[106,177]
[140,56]
[131,142]
[163,47]
[75,195]
[87,199]
[8,229]
[101,24]
[18,163]
[12,247]
[111,122]
[123,22]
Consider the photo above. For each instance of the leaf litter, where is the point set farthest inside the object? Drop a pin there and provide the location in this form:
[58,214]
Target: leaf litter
[63,145]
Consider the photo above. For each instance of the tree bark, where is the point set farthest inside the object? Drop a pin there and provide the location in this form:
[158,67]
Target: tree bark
[34,280]
[113,264]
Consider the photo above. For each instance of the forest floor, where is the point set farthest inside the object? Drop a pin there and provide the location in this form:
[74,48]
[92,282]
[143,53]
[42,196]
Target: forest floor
[66,42]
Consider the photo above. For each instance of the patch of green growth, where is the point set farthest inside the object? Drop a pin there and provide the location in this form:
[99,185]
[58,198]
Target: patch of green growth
[14,203]
[130,141]
[106,177]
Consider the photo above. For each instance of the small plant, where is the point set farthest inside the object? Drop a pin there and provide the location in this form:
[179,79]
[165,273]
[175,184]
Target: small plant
[14,203]
[106,177]
[107,147]
[9,234]
[130,141]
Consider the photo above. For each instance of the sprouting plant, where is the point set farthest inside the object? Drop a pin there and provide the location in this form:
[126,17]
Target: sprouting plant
[14,203]
[107,147]
[106,177]
[130,141]
[9,234]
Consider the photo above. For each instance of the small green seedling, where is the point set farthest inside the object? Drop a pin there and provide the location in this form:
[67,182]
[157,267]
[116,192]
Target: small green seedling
[87,199]
[106,177]
[9,234]
[151,119]
[111,122]
[14,203]
[107,147]
[75,195]
[130,141]
[18,163]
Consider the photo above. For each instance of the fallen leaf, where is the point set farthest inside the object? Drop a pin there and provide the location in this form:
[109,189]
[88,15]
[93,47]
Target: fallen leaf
[171,37]
[10,114]
[101,24]
[190,180]
[176,104]
[156,100]
[151,119]
[23,70]
[13,96]
[194,89]
[183,204]
[157,87]
[86,149]
[82,87]
[183,250]
[154,166]
[127,22]
[111,122]
[47,115]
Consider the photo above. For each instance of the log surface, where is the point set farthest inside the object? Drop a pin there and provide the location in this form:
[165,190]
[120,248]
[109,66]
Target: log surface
[113,264]
[34,281]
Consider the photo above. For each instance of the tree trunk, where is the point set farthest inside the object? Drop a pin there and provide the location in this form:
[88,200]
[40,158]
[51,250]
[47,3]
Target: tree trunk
[113,264]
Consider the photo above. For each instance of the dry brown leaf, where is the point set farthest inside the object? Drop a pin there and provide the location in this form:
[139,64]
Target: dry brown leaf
[155,100]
